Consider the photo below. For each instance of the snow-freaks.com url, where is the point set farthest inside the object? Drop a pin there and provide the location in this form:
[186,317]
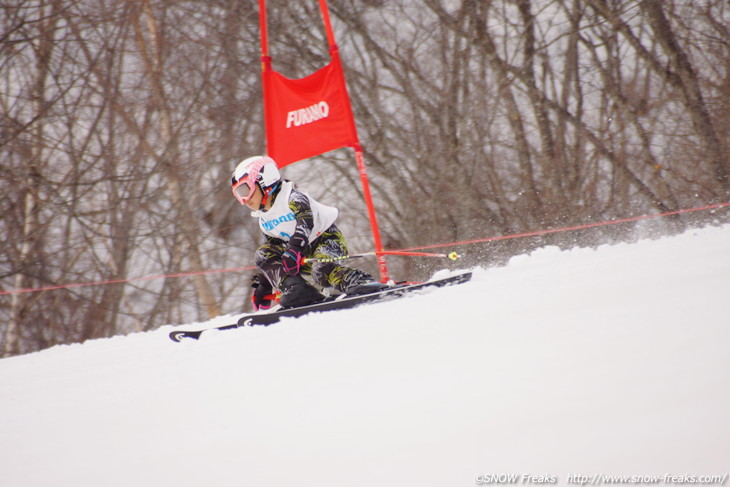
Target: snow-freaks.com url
[600,479]
[666,479]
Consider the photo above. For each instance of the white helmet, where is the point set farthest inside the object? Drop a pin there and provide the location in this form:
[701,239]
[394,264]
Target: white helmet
[257,170]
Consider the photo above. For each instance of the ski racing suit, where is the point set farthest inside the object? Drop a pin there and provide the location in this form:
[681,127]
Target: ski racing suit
[295,214]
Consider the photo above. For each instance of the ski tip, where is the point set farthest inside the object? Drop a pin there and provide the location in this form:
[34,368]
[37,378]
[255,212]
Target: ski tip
[179,335]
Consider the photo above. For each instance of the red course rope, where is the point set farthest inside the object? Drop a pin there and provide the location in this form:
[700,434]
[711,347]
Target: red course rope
[577,227]
[394,252]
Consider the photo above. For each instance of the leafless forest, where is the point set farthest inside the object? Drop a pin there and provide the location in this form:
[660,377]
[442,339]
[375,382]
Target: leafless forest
[122,120]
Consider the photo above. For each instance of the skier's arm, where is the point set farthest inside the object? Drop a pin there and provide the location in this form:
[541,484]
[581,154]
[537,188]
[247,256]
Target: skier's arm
[301,207]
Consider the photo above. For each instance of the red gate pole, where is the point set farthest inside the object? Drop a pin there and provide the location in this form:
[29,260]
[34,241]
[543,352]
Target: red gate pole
[263,26]
[382,266]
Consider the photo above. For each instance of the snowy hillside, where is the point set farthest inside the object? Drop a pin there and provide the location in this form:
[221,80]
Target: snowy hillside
[613,361]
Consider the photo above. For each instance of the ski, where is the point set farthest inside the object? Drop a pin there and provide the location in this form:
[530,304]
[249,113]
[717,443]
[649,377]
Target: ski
[339,302]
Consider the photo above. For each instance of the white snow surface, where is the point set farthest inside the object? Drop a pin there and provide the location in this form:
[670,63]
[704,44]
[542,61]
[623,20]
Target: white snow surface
[612,361]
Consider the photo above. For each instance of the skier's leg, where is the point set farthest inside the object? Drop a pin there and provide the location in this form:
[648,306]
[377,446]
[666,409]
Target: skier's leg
[331,244]
[268,260]
[295,290]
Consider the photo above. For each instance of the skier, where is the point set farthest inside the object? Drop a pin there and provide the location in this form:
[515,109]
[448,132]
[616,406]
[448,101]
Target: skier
[296,228]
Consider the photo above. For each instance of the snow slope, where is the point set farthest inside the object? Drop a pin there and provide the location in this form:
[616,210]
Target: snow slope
[562,363]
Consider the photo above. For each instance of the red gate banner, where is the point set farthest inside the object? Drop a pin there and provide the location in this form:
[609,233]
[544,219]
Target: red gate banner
[312,115]
[308,116]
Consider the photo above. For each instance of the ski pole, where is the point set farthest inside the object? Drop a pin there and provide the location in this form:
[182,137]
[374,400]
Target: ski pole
[453,255]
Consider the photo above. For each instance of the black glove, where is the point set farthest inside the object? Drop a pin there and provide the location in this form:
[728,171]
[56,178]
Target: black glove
[263,294]
[292,258]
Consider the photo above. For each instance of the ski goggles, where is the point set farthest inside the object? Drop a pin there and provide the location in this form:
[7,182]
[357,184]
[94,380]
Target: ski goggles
[242,191]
